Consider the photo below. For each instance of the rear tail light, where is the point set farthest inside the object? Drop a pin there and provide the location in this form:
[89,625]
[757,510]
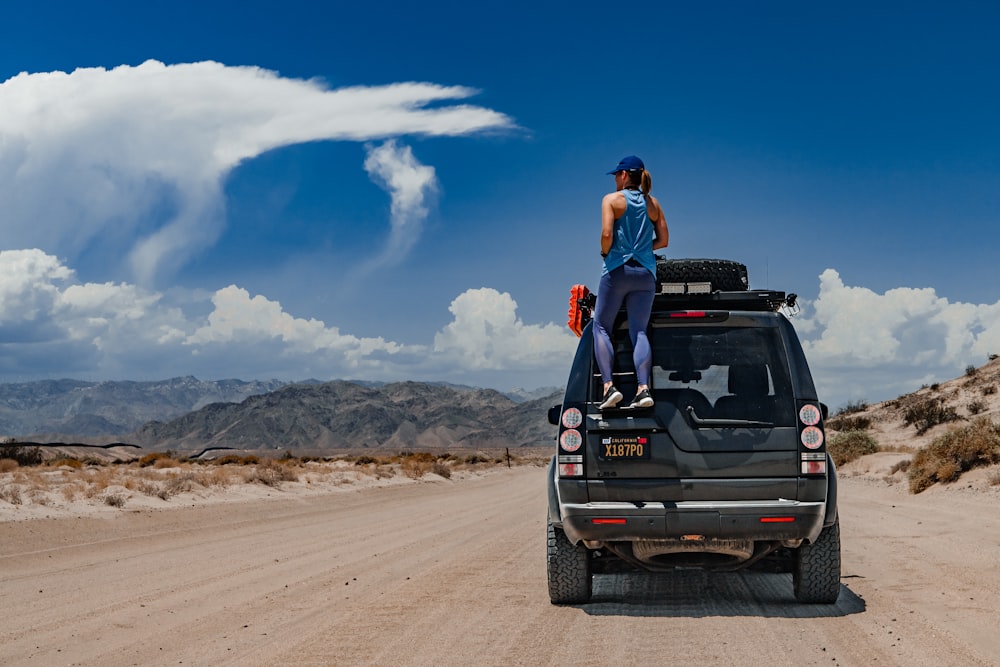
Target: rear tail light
[610,521]
[814,467]
[570,440]
[813,463]
[572,418]
[809,415]
[570,469]
[812,437]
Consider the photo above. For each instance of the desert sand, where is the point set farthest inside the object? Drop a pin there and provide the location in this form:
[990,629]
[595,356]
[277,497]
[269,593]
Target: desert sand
[436,571]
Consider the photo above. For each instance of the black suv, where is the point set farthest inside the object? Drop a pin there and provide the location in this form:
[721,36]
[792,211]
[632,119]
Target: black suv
[727,470]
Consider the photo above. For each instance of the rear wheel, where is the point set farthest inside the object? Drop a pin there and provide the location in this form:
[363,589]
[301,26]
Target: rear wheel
[816,576]
[724,274]
[568,569]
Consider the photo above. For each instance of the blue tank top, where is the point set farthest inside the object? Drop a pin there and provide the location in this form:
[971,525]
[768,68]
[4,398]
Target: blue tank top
[633,236]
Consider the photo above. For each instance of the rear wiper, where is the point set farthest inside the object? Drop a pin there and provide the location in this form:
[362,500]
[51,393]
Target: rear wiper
[724,423]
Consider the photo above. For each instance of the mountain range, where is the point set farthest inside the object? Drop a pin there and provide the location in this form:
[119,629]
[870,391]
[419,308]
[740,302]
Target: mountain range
[186,414]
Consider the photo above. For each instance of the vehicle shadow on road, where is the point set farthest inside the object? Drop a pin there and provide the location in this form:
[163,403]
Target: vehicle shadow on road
[697,593]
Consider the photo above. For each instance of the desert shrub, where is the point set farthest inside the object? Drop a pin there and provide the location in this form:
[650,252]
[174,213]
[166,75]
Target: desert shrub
[994,478]
[901,466]
[473,459]
[929,413]
[25,456]
[149,488]
[179,484]
[8,465]
[441,468]
[235,459]
[992,357]
[272,473]
[976,407]
[935,386]
[11,493]
[416,466]
[989,390]
[848,423]
[115,499]
[75,464]
[216,477]
[970,370]
[951,454]
[365,460]
[849,445]
[153,458]
[854,406]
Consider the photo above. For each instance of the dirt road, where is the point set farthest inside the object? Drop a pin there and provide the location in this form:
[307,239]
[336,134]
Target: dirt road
[453,573]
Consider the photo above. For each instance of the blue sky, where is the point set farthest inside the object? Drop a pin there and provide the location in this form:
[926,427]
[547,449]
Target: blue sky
[407,191]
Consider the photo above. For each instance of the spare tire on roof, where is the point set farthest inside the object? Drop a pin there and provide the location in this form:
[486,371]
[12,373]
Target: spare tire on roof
[724,274]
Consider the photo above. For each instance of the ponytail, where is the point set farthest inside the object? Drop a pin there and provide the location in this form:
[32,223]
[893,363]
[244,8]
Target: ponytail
[645,180]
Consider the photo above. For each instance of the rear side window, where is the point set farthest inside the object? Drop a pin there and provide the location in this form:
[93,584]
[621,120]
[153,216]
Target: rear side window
[727,372]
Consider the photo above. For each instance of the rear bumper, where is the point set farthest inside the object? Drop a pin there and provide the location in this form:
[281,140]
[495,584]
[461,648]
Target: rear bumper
[749,520]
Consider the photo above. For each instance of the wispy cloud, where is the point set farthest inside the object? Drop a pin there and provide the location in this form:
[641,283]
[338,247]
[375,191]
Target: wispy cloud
[409,183]
[135,156]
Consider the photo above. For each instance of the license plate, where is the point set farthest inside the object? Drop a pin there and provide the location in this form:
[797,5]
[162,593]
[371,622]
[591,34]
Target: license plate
[623,447]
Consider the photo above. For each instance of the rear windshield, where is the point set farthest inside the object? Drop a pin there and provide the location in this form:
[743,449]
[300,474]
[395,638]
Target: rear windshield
[726,372]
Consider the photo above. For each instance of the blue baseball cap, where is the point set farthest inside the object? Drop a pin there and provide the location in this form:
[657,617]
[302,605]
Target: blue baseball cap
[628,163]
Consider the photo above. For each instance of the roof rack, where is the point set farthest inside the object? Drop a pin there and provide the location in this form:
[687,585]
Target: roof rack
[684,296]
[755,300]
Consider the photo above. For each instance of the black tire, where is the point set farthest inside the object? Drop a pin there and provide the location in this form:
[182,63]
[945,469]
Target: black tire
[570,580]
[816,576]
[725,275]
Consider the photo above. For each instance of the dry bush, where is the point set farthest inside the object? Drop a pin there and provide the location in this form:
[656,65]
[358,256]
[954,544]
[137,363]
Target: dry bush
[902,466]
[994,478]
[167,462]
[271,473]
[75,464]
[11,493]
[989,390]
[151,458]
[850,445]
[182,483]
[8,465]
[927,414]
[69,492]
[853,406]
[442,469]
[115,499]
[218,476]
[970,370]
[25,456]
[845,423]
[148,488]
[976,407]
[416,465]
[955,452]
[235,459]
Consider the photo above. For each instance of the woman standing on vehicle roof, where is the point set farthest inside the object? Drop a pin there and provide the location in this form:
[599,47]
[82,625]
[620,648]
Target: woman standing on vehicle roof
[632,226]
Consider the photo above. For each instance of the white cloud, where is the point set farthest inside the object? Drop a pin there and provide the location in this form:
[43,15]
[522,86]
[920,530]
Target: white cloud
[123,331]
[409,183]
[239,319]
[487,334]
[141,151]
[865,345]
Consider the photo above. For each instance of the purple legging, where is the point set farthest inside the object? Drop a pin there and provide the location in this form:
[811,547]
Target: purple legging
[635,286]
